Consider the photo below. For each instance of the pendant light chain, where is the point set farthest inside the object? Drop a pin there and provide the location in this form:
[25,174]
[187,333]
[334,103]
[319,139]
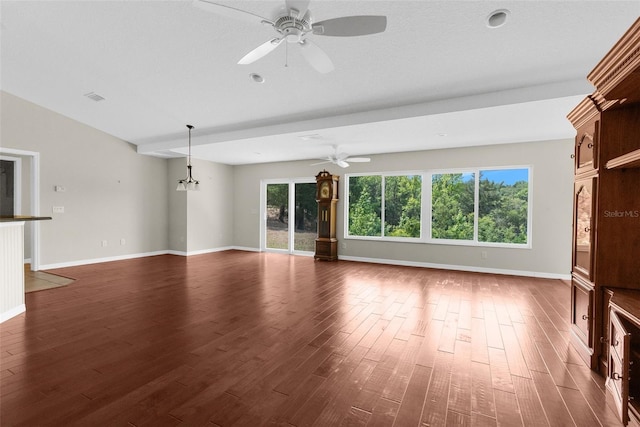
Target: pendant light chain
[189,155]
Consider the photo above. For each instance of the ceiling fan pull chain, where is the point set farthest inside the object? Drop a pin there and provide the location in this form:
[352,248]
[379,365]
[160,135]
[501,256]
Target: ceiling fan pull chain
[286,55]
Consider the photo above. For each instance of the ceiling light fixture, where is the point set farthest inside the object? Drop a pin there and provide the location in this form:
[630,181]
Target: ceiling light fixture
[257,78]
[188,183]
[497,18]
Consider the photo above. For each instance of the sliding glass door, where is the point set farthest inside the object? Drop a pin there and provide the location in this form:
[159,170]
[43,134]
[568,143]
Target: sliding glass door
[305,229]
[290,229]
[277,215]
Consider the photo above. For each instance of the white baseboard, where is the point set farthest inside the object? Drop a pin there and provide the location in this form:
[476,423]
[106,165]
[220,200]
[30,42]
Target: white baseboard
[245,248]
[13,312]
[179,253]
[141,255]
[473,269]
[202,251]
[99,260]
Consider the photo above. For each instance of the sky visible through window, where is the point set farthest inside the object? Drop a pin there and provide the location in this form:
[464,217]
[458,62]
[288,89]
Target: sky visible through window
[506,176]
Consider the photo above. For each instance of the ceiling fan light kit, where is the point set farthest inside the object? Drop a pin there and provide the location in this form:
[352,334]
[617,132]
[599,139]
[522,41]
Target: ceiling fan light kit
[295,24]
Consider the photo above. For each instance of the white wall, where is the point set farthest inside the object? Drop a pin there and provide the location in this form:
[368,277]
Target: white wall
[201,221]
[177,207]
[552,166]
[112,192]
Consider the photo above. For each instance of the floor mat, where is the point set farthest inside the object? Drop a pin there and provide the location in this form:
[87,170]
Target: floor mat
[39,280]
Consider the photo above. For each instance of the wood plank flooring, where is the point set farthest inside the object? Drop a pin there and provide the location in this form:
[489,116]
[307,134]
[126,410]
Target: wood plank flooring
[256,339]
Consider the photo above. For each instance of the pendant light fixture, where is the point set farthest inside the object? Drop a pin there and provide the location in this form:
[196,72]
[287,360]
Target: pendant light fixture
[188,183]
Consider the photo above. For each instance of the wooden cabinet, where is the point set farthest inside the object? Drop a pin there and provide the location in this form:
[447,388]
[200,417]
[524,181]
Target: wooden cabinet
[617,383]
[327,198]
[623,369]
[606,222]
[583,305]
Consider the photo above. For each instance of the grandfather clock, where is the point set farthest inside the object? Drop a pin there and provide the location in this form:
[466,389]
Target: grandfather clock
[327,198]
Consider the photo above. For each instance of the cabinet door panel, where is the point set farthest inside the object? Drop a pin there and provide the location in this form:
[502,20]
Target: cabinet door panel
[581,311]
[584,210]
[586,147]
[618,377]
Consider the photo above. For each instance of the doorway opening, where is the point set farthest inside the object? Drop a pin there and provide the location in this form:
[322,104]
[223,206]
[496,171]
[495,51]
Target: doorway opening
[10,181]
[18,159]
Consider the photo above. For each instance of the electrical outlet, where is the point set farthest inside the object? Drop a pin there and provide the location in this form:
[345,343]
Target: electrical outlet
[58,209]
[104,243]
[483,254]
[122,241]
[343,245]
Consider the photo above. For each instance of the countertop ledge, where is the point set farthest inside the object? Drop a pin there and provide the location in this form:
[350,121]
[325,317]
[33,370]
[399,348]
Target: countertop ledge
[18,218]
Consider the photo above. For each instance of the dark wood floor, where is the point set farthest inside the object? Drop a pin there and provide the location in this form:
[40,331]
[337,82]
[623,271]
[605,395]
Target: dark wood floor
[250,339]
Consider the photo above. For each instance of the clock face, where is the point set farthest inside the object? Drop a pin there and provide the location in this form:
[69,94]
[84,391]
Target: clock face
[324,190]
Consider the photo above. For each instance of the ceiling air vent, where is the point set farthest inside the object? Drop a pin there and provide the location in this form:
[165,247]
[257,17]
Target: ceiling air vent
[94,96]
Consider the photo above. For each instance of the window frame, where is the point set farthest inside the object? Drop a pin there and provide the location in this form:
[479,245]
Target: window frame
[426,207]
[382,237]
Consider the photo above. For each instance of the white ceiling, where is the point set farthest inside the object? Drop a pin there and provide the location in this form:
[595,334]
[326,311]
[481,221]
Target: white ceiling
[437,77]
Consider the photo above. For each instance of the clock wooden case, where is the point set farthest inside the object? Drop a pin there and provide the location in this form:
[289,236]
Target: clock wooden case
[327,198]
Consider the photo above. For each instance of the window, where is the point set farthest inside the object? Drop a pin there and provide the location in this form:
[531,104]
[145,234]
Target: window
[402,205]
[394,201]
[453,206]
[476,206]
[503,208]
[482,206]
[365,203]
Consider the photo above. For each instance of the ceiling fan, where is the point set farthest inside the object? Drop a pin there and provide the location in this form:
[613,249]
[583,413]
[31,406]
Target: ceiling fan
[342,159]
[295,23]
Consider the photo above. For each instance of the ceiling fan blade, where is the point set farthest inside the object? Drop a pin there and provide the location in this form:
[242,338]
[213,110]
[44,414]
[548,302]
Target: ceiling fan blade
[260,51]
[321,163]
[349,26]
[300,5]
[342,164]
[230,12]
[316,57]
[358,159]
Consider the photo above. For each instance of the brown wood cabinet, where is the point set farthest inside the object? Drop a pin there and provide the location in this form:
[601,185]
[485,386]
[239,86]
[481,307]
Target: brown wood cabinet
[623,339]
[606,225]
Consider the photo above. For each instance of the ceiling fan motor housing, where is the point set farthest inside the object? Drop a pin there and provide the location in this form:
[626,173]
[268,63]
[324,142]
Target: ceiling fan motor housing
[292,28]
